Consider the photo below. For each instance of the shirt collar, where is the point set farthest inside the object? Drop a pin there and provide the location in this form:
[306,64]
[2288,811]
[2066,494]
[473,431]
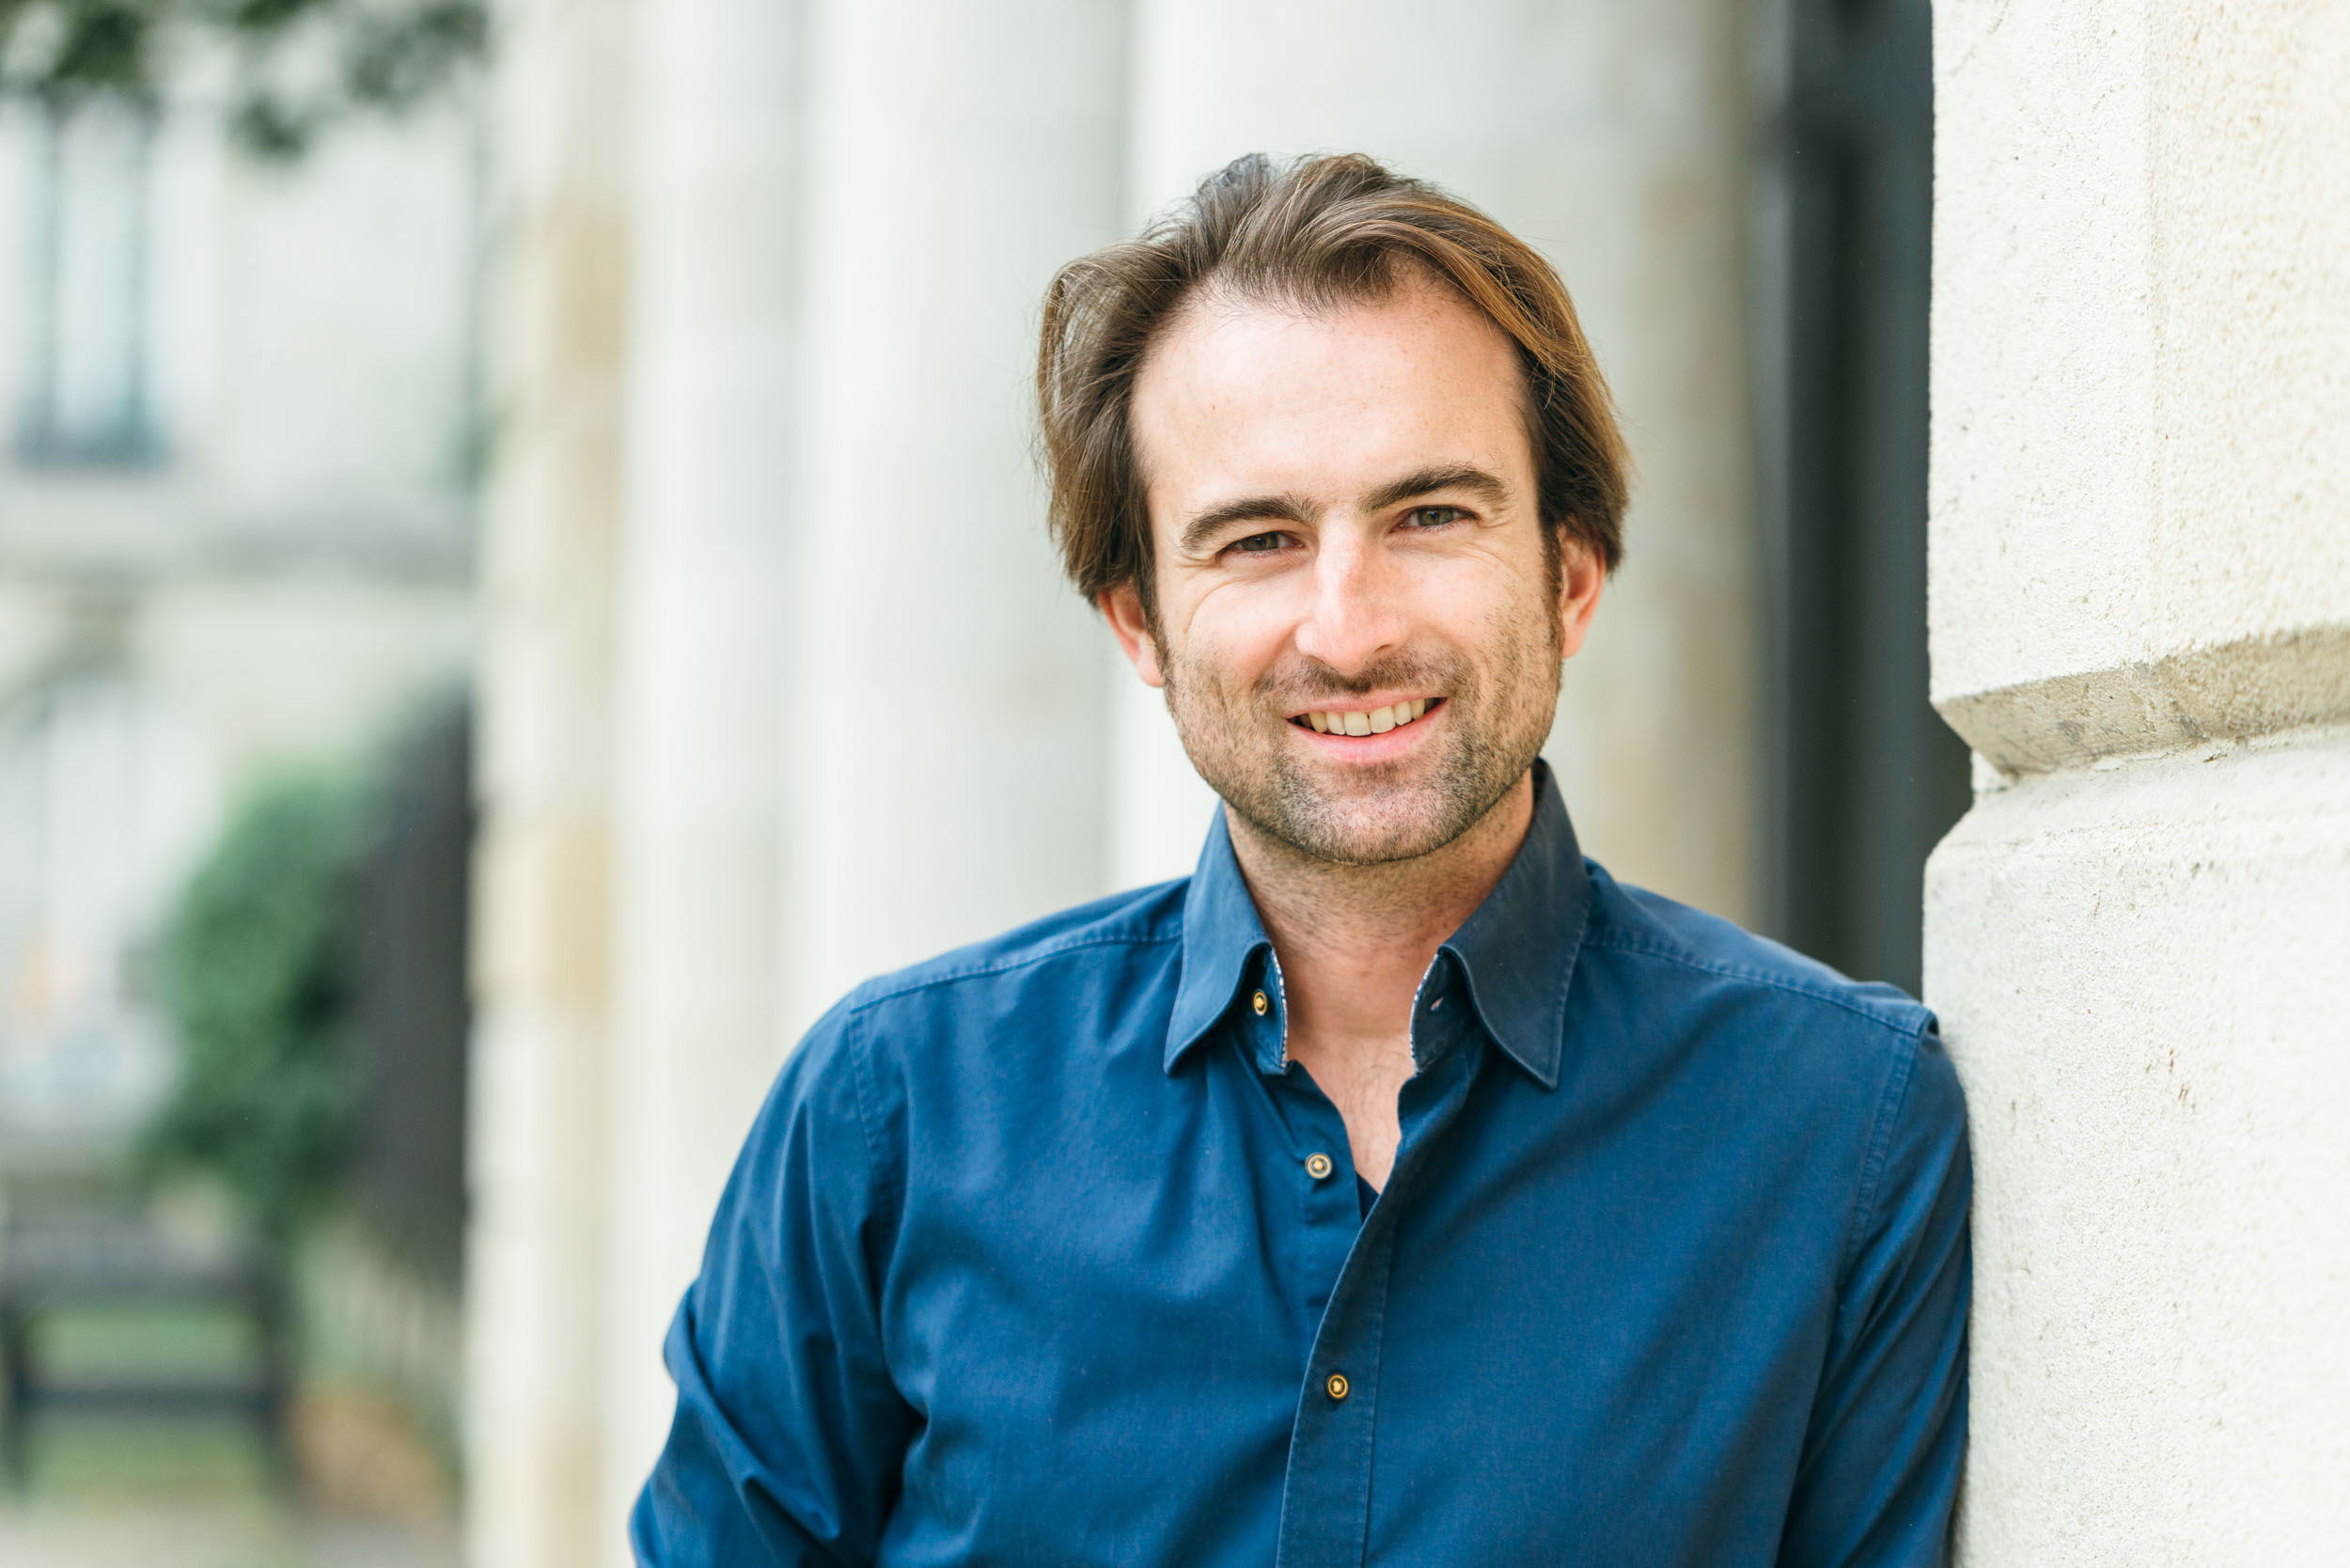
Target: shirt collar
[1222,939]
[1517,950]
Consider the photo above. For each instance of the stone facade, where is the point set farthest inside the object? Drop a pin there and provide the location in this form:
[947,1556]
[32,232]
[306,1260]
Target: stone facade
[235,529]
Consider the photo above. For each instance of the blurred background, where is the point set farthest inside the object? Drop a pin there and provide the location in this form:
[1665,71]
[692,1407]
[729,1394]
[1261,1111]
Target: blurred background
[521,579]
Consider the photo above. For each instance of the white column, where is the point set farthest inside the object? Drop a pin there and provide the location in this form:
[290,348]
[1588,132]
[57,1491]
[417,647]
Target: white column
[944,691]
[2138,939]
[542,911]
[1612,137]
[697,764]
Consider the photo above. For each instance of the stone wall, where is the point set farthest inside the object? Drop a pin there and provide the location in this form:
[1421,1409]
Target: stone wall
[2140,582]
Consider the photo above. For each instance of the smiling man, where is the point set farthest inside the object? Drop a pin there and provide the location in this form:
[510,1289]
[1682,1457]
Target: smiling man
[1400,1188]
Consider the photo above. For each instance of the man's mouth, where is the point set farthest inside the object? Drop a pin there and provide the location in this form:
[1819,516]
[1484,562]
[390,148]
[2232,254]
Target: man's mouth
[1372,721]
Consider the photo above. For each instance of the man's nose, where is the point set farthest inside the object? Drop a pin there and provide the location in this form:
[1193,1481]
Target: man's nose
[1357,611]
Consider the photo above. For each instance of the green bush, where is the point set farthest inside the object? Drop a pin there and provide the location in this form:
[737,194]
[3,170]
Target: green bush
[255,971]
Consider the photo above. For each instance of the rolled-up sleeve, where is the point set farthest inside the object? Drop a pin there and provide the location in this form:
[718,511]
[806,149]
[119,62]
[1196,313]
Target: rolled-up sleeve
[1880,1467]
[790,1435]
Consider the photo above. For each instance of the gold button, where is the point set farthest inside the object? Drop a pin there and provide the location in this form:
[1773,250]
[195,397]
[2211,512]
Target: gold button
[1336,1385]
[1319,1167]
[1259,1004]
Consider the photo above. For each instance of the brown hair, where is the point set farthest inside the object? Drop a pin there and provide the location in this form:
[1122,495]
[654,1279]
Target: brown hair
[1319,233]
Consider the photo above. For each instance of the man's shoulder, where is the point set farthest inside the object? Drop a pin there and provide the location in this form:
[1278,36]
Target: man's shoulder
[1098,932]
[1804,1029]
[998,1017]
[1103,932]
[1791,1028]
[1666,936]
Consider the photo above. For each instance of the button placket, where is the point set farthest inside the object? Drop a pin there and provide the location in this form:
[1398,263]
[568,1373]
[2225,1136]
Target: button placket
[1328,1214]
[1327,1204]
[1326,1498]
[1328,1208]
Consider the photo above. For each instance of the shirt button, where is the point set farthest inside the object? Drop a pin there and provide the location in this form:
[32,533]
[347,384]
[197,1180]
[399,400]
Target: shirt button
[1336,1385]
[1319,1167]
[1260,1003]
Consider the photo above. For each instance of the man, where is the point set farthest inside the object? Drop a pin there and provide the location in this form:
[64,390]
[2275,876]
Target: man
[1400,1188]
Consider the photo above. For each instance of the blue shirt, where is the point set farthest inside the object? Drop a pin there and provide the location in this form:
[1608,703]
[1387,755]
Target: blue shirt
[1044,1253]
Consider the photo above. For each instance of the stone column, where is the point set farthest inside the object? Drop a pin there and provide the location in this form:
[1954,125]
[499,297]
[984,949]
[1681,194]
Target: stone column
[2138,938]
[942,689]
[698,767]
[1613,137]
[552,519]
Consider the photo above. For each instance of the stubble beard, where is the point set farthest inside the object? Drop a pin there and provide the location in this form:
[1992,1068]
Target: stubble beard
[1496,721]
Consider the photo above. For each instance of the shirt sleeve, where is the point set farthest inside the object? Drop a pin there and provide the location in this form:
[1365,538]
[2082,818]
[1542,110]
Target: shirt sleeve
[1879,1474]
[790,1435]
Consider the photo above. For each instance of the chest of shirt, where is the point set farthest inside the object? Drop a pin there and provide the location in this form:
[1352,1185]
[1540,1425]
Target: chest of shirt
[1119,1320]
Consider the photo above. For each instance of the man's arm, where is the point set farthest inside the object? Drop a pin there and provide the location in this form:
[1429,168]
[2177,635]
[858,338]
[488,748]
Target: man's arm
[1880,1468]
[790,1435]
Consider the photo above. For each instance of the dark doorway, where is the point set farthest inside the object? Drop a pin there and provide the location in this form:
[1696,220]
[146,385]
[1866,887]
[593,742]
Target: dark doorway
[1863,776]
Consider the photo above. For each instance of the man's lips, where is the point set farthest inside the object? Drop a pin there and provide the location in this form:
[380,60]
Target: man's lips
[1375,719]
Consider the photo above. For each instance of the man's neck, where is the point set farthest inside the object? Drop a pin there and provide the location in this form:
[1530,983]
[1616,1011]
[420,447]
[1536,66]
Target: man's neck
[1354,942]
[1376,924]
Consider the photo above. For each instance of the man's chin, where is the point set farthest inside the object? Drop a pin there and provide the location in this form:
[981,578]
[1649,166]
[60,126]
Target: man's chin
[1364,833]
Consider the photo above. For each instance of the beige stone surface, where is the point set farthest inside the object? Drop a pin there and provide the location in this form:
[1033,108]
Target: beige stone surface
[697,875]
[2136,940]
[2142,264]
[543,905]
[944,740]
[2139,971]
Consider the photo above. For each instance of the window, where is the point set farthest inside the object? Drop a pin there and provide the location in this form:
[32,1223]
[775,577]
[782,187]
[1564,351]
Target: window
[78,1049]
[88,392]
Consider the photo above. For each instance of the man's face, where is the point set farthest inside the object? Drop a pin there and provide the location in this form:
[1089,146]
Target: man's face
[1357,629]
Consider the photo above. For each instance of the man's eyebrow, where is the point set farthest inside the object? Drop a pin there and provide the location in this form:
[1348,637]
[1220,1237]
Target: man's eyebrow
[1458,477]
[1205,526]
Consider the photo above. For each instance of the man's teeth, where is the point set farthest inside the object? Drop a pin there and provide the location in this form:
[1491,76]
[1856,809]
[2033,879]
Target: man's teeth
[1376,722]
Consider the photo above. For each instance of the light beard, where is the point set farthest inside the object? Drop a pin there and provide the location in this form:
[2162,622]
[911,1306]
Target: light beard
[1496,721]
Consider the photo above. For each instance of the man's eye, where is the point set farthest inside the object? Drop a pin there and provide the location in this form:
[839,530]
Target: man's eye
[1258,543]
[1435,517]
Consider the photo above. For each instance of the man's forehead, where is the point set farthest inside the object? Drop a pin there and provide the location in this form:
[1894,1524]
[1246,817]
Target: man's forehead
[1246,395]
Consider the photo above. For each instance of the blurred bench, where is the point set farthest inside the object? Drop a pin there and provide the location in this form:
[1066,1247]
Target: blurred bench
[61,1264]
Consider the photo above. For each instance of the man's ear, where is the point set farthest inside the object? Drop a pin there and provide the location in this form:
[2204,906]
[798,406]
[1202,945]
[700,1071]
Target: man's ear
[1122,606]
[1580,578]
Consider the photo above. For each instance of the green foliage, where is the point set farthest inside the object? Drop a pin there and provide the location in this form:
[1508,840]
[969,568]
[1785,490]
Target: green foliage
[255,973]
[300,65]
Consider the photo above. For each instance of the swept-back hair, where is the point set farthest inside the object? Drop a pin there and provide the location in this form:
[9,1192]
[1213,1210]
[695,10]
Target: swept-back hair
[1318,233]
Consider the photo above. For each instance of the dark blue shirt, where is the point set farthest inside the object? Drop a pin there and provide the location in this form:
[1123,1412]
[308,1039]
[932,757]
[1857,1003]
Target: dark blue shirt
[1044,1253]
